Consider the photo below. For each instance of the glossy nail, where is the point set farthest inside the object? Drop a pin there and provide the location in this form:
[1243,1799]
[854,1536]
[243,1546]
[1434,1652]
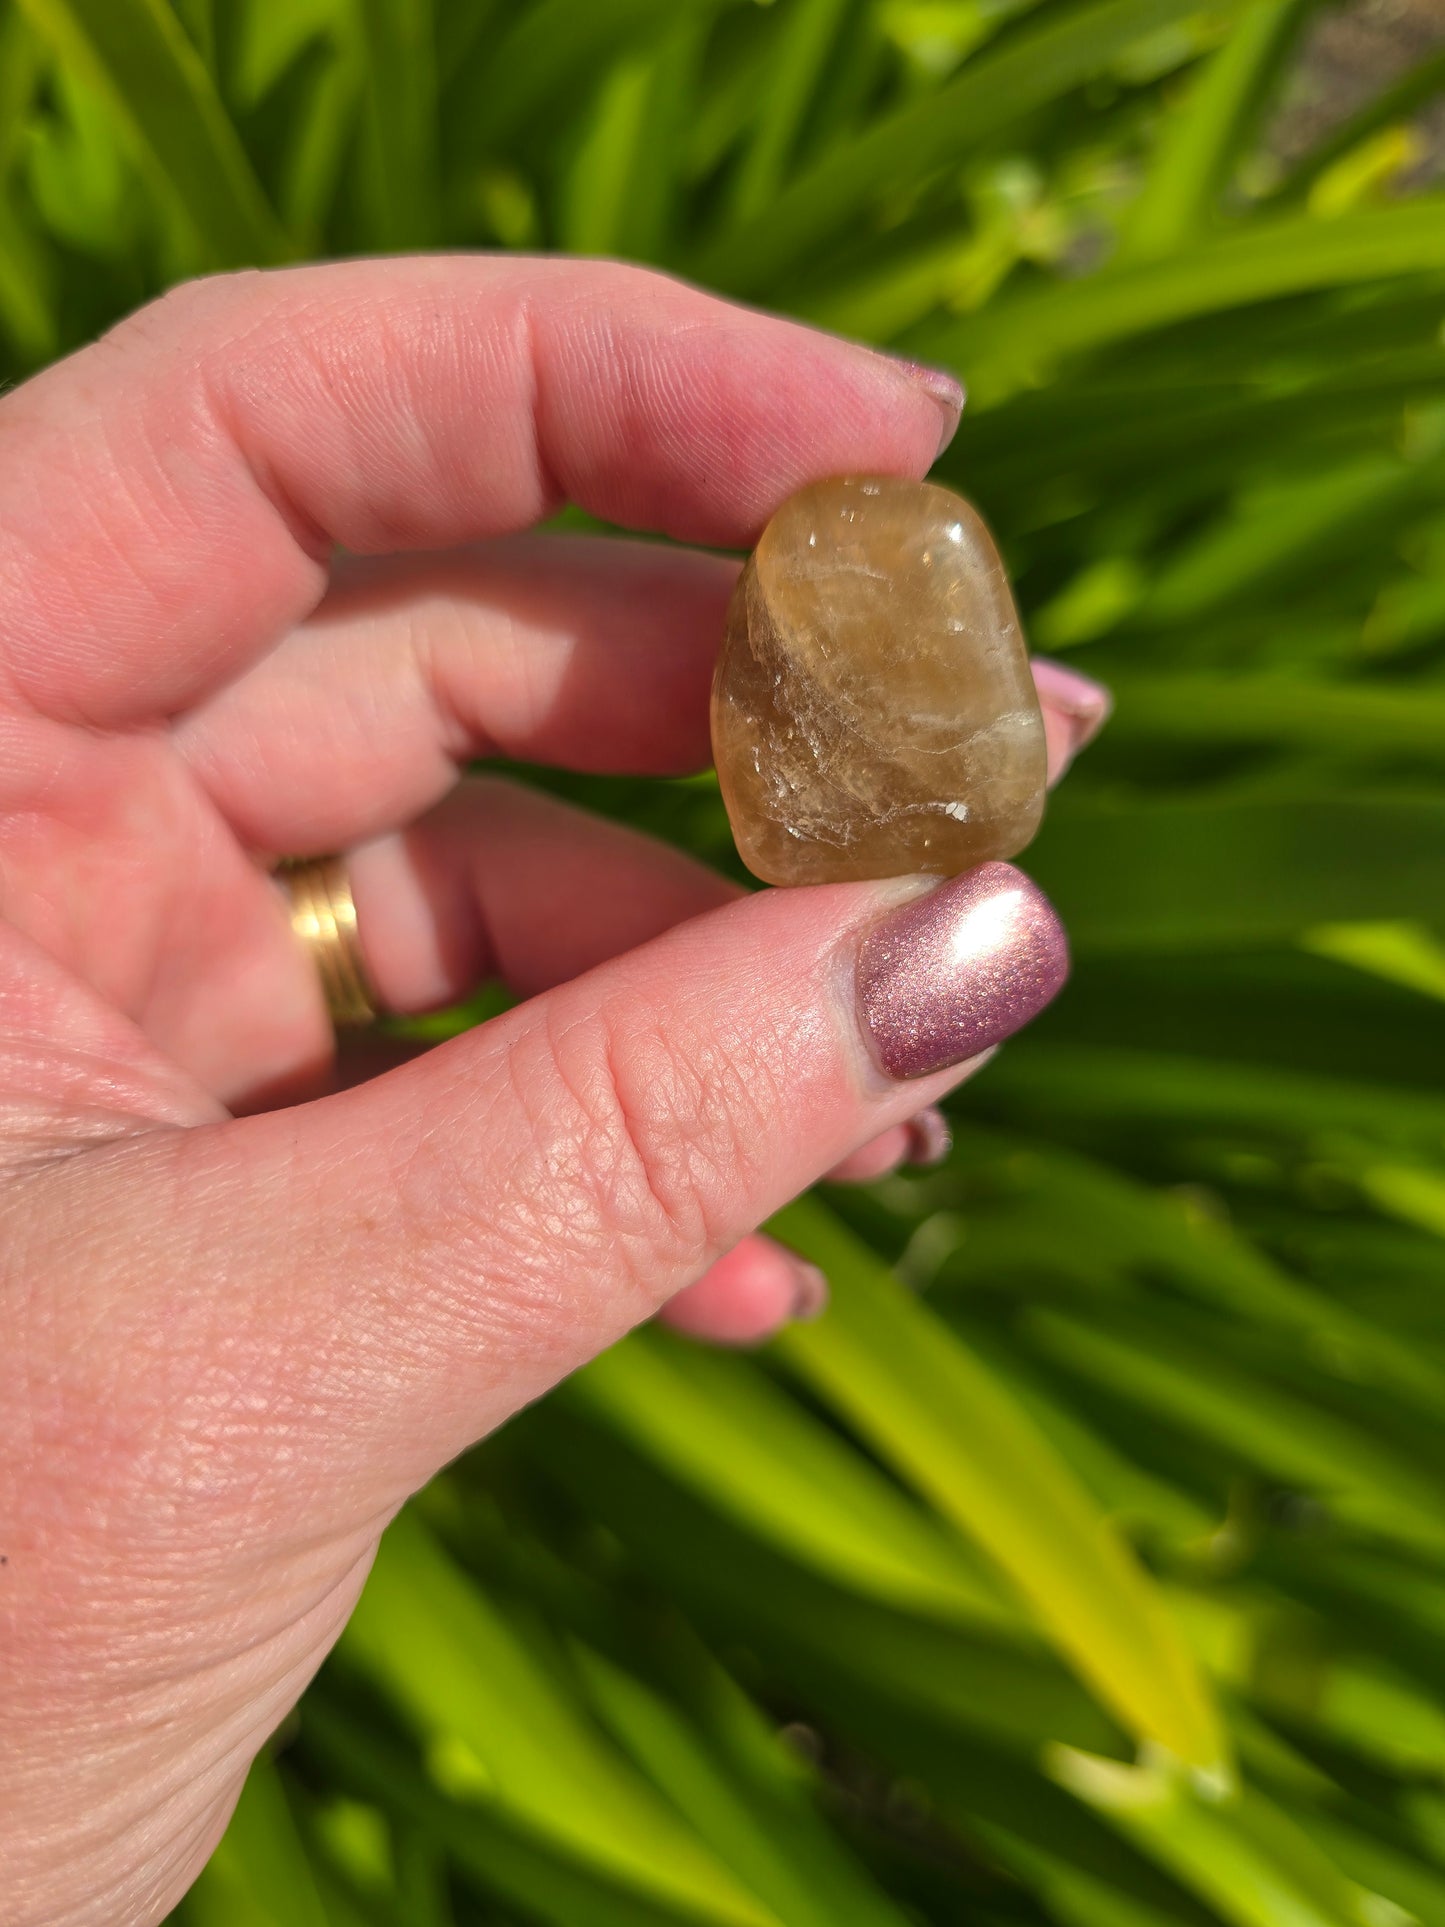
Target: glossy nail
[810,1294]
[929,1138]
[946,390]
[1086,704]
[950,974]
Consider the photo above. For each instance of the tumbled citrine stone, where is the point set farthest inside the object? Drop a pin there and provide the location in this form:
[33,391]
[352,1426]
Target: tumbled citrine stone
[873,712]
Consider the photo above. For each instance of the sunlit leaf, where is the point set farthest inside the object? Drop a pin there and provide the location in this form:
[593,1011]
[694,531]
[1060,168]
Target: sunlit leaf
[896,1373]
[495,1720]
[138,53]
[260,1875]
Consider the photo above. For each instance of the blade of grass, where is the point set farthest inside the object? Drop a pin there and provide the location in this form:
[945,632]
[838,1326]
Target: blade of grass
[1016,341]
[1242,1855]
[139,54]
[1277,533]
[723,1428]
[260,1874]
[548,48]
[399,192]
[1139,1230]
[1201,144]
[1002,1687]
[312,113]
[927,1405]
[619,194]
[805,39]
[745,1836]
[1384,1866]
[27,313]
[1184,874]
[1290,709]
[446,1655]
[1158,1090]
[1034,65]
[492,1852]
[1283,1433]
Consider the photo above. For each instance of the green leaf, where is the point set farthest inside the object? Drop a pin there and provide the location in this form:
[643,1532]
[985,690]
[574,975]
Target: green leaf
[399,181]
[721,1427]
[950,1428]
[1201,143]
[1300,1443]
[139,55]
[260,1875]
[489,1847]
[1016,341]
[1042,1195]
[1166,875]
[27,293]
[548,48]
[807,33]
[806,1881]
[27,314]
[1278,534]
[1159,1090]
[1302,712]
[1239,1853]
[497,1719]
[1004,1690]
[1404,1879]
[1043,59]
[620,188]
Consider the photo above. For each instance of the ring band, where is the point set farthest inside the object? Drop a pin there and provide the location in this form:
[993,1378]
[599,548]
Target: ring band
[323,915]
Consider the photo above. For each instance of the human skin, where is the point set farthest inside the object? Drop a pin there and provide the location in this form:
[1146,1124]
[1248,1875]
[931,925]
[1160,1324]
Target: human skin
[252,1299]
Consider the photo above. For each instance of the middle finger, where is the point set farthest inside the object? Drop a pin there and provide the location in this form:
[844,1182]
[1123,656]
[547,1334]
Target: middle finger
[589,652]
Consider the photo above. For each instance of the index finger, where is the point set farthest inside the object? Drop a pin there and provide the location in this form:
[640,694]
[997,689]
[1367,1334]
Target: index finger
[171,495]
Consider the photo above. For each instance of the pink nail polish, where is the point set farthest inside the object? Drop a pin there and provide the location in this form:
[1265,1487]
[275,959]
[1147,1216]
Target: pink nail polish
[1087,704]
[945,389]
[810,1296]
[953,973]
[929,1138]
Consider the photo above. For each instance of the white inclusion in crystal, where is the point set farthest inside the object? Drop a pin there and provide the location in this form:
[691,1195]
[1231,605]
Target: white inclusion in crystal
[959,811]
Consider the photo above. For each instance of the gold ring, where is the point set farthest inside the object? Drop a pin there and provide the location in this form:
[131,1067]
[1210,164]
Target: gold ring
[323,915]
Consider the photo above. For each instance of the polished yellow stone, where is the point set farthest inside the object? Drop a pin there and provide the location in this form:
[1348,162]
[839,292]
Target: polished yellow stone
[873,713]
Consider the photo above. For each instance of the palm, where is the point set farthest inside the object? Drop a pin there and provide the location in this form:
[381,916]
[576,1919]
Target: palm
[129,875]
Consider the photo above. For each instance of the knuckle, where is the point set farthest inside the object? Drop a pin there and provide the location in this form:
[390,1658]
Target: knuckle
[622,1148]
[667,1119]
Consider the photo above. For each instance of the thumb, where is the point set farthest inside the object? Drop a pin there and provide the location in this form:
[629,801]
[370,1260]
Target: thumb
[397,1268]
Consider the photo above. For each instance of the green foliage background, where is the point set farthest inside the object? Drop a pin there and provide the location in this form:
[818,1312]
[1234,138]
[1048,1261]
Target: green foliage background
[1086,1564]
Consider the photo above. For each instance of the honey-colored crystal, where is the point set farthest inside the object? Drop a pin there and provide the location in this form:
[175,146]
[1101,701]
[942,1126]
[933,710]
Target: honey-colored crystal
[873,712]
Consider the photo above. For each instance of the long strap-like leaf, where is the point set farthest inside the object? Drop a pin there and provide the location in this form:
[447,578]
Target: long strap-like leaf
[930,1407]
[139,54]
[1035,65]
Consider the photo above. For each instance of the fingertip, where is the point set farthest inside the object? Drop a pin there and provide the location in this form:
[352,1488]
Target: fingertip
[875,1159]
[943,389]
[748,1294]
[1074,708]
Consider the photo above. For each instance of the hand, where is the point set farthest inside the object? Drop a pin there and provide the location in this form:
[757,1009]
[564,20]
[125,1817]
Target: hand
[235,1344]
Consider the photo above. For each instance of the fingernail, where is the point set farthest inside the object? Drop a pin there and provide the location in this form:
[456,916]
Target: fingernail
[952,973]
[946,390]
[810,1295]
[1087,704]
[929,1138]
